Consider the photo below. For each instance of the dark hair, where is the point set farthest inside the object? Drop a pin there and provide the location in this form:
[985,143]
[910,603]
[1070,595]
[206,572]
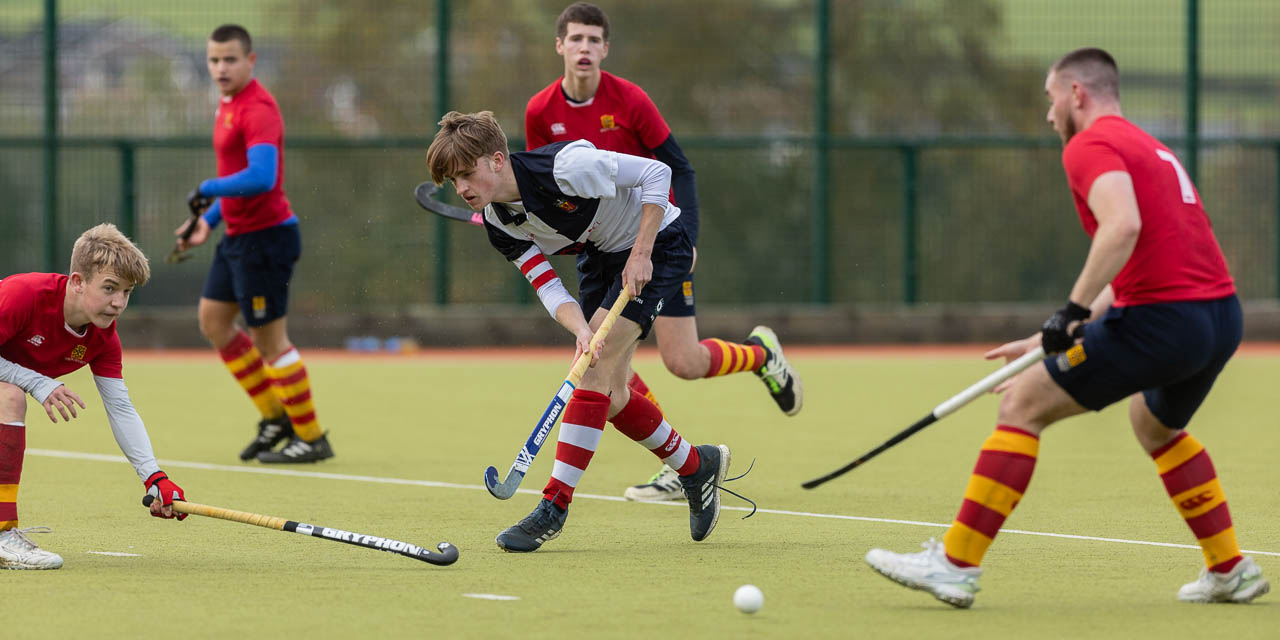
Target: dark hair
[229,32]
[1094,68]
[582,13]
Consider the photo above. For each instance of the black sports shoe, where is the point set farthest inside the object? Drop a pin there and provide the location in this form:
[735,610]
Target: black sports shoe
[271,432]
[542,525]
[299,450]
[702,489]
[778,375]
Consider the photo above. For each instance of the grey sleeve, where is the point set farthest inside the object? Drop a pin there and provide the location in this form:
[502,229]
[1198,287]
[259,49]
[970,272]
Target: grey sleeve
[653,178]
[34,383]
[126,426]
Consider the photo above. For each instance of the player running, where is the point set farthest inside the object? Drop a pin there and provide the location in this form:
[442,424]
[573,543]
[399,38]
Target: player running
[50,325]
[616,115]
[1165,322]
[255,259]
[570,197]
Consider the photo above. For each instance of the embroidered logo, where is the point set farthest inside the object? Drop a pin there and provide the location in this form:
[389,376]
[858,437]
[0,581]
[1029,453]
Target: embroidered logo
[77,353]
[607,123]
[565,205]
[687,289]
[259,307]
[226,122]
[36,340]
[557,129]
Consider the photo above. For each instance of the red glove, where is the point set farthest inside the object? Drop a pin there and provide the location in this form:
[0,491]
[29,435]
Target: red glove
[160,486]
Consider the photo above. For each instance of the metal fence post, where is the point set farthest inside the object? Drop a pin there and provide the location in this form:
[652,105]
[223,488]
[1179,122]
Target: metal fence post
[822,131]
[1193,89]
[51,135]
[442,105]
[128,188]
[910,267]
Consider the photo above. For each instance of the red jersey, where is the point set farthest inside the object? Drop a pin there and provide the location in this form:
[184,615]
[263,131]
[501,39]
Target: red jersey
[34,334]
[248,118]
[1177,256]
[620,117]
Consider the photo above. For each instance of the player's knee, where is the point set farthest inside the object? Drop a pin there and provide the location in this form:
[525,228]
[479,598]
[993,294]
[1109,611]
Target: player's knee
[684,365]
[13,403]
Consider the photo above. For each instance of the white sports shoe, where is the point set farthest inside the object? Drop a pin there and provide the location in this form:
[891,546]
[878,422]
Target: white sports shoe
[17,551]
[664,486]
[1242,584]
[928,570]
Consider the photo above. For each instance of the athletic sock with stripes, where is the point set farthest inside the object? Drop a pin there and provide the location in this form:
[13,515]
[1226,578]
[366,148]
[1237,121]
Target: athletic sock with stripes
[13,444]
[244,361]
[1192,483]
[580,433]
[729,357]
[999,479]
[636,385]
[293,388]
[642,421]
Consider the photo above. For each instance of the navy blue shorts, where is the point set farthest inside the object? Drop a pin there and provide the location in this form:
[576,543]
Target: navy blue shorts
[1171,352]
[253,269]
[600,278]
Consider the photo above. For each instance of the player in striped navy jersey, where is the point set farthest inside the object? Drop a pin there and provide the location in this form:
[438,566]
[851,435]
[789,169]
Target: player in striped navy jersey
[571,198]
[614,114]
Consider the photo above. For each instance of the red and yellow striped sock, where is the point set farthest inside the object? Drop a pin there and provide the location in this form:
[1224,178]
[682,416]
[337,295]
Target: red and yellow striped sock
[13,444]
[244,361]
[293,388]
[1192,483]
[638,386]
[729,357]
[999,479]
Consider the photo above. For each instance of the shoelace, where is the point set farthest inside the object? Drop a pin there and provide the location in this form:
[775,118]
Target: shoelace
[21,535]
[739,495]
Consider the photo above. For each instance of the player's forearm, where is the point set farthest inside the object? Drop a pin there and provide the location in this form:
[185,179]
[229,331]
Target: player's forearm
[650,221]
[32,382]
[569,315]
[1111,248]
[259,177]
[126,426]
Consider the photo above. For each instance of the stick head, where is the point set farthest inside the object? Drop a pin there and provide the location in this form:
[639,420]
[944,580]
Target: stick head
[426,191]
[448,555]
[505,489]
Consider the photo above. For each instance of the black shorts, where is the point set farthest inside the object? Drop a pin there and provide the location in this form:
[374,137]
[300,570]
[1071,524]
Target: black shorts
[1171,352]
[253,269]
[600,278]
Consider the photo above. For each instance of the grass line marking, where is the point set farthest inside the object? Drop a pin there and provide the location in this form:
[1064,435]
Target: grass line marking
[98,457]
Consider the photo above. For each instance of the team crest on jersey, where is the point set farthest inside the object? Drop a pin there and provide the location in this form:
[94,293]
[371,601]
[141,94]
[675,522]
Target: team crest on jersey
[565,205]
[77,354]
[607,123]
[557,129]
[36,340]
[226,122]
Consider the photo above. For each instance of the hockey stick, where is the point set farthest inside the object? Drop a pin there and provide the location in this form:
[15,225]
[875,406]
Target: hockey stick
[447,555]
[425,195]
[178,255]
[524,458]
[955,402]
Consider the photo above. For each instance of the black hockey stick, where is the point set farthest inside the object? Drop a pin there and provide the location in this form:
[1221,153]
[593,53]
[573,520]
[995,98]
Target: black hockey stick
[955,402]
[425,195]
[178,255]
[447,555]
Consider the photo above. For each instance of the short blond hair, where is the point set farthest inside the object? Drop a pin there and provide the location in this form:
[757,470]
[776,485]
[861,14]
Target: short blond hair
[462,139]
[104,248]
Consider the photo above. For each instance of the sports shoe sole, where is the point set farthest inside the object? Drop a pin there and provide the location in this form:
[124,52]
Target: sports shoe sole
[1257,589]
[958,601]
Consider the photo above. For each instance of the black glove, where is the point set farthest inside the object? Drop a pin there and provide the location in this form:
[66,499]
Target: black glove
[198,203]
[1054,336]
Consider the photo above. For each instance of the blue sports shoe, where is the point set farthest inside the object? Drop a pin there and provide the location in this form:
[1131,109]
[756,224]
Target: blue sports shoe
[702,489]
[542,525]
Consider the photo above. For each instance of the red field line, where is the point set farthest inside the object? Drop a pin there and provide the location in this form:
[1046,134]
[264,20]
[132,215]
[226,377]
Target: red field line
[537,353]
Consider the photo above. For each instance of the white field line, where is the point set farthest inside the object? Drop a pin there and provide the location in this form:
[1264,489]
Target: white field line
[179,464]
